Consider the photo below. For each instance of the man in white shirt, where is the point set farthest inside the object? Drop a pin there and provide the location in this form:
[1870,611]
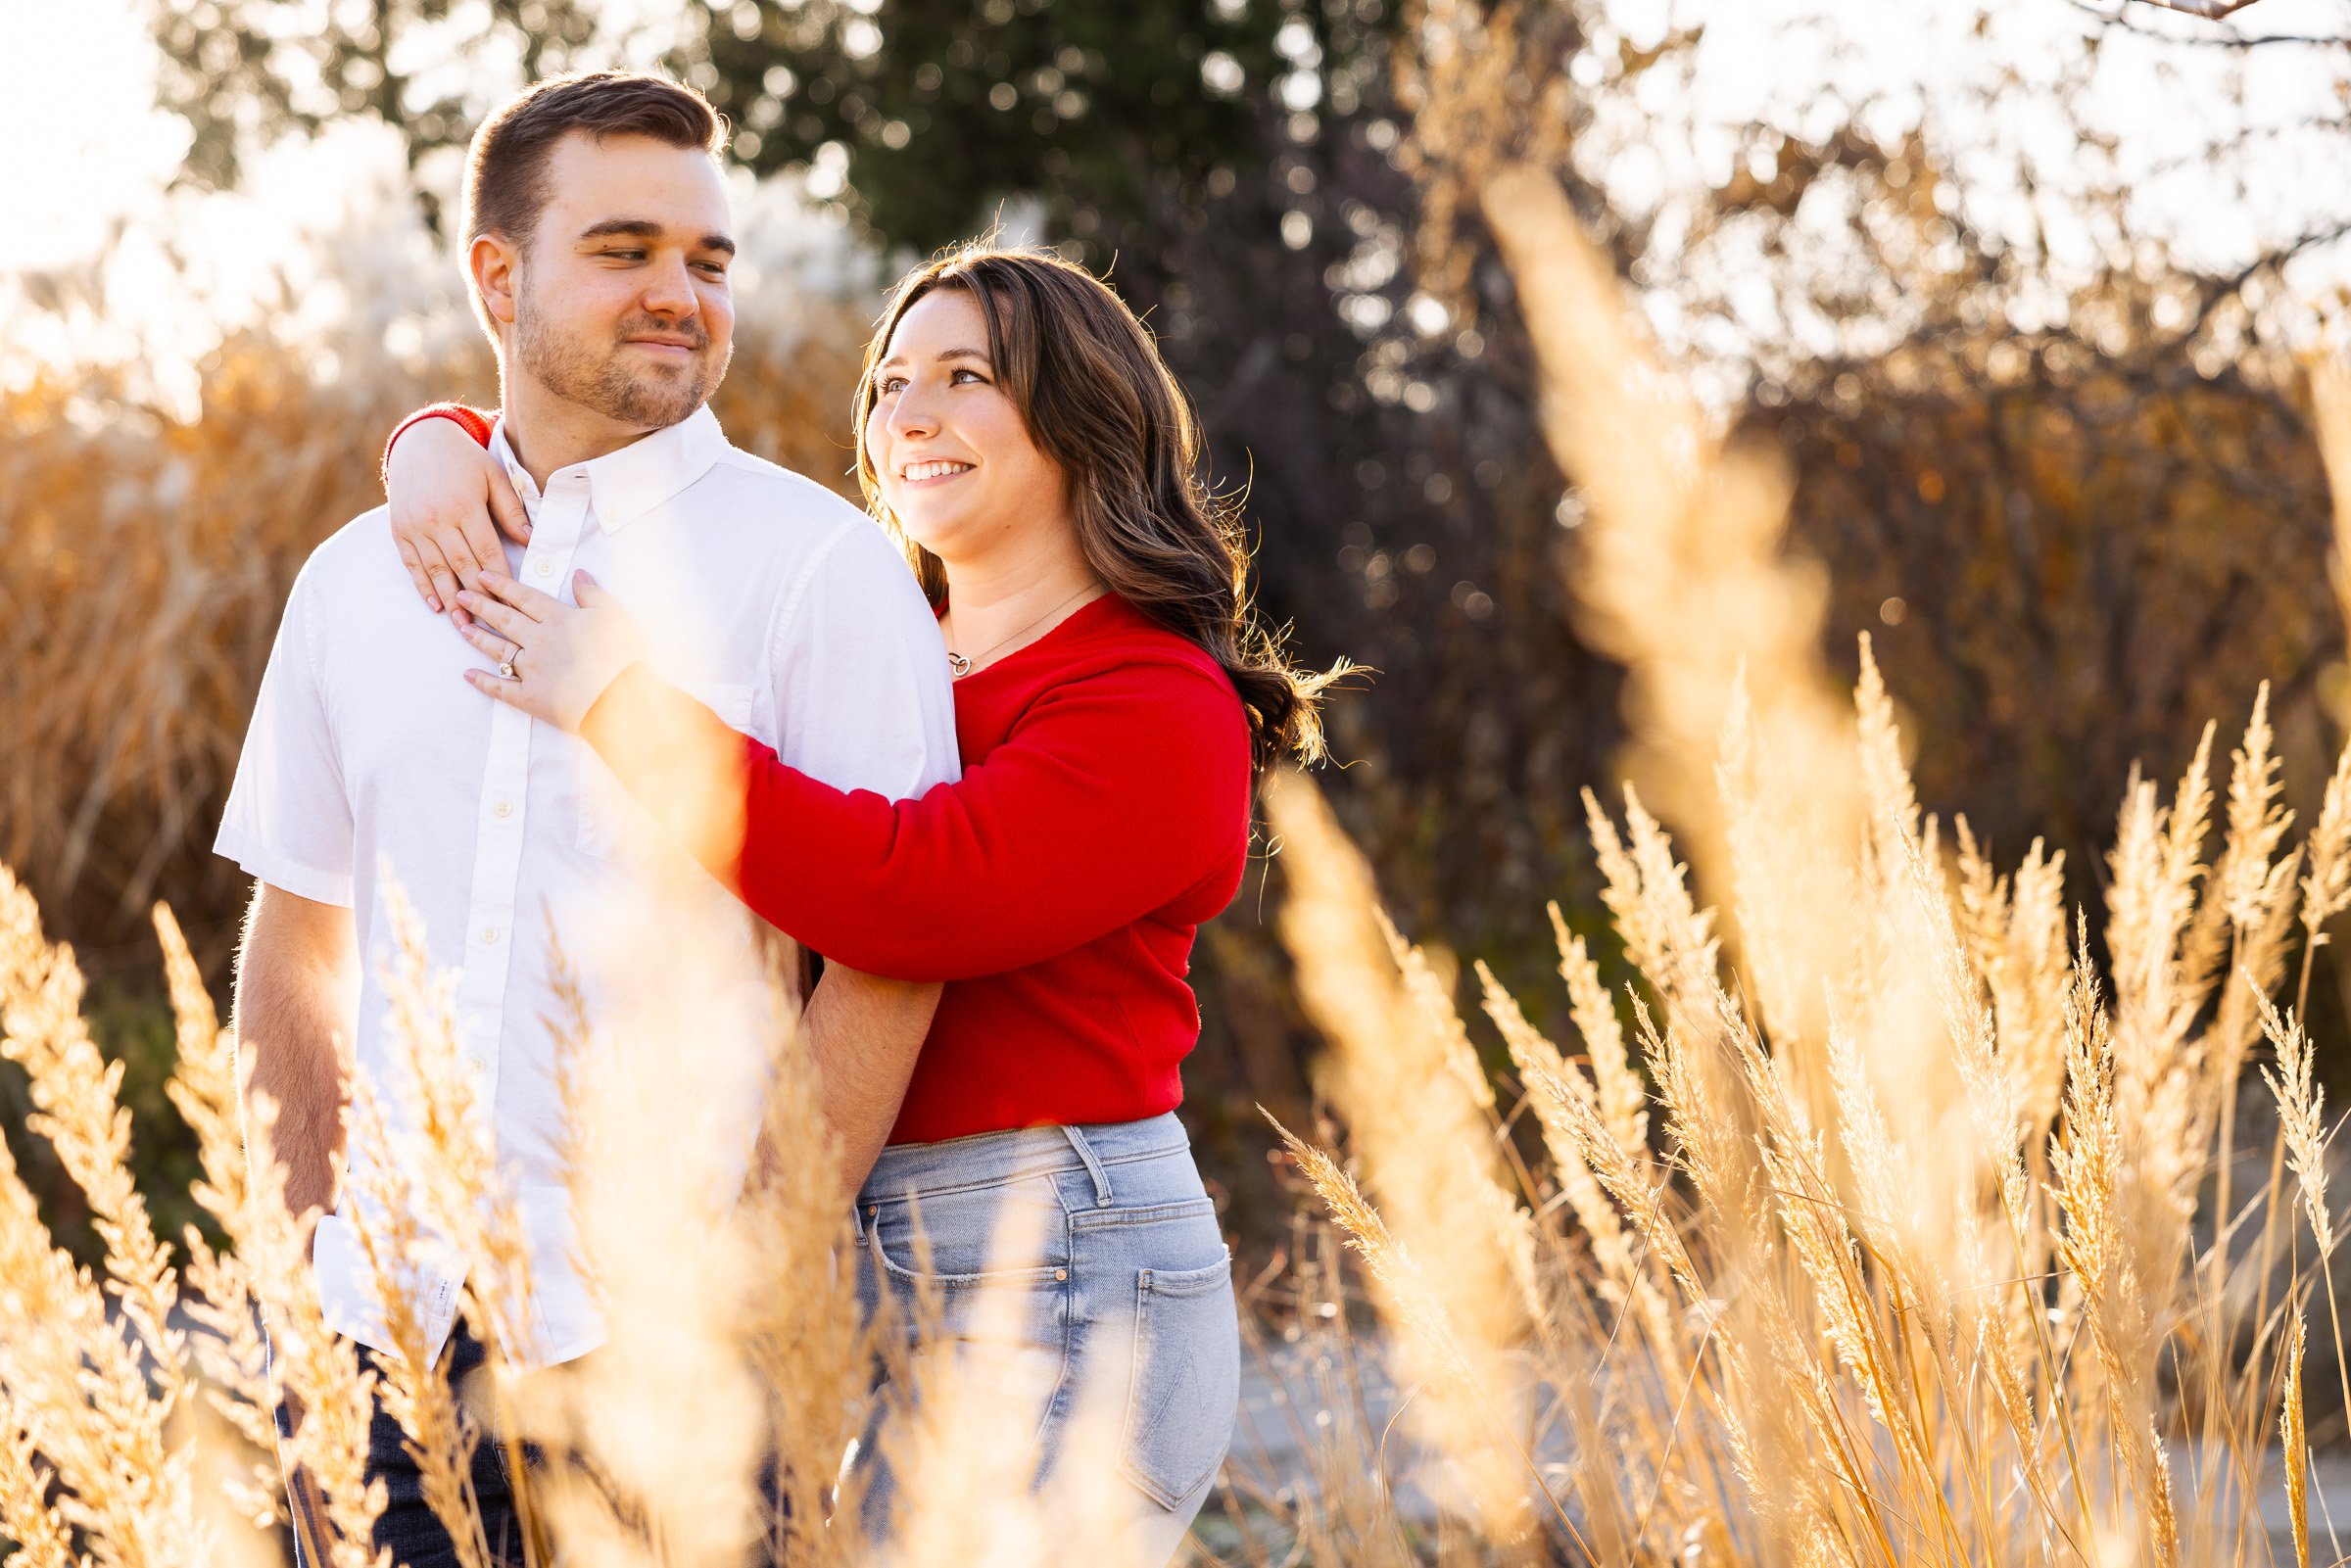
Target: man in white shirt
[598,228]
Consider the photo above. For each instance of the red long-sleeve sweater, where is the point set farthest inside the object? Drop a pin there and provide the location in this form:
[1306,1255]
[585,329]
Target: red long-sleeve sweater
[1056,888]
[1102,815]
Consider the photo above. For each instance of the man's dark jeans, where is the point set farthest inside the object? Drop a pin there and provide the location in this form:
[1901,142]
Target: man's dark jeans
[408,1526]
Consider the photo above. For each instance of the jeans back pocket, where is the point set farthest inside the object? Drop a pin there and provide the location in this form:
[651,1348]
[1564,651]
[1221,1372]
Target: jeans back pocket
[1186,1387]
[992,1264]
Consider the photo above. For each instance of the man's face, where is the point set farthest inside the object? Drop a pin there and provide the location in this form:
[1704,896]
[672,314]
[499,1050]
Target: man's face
[621,303]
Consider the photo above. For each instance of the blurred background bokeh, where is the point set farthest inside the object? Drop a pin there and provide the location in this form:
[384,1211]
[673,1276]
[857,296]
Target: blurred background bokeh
[2022,290]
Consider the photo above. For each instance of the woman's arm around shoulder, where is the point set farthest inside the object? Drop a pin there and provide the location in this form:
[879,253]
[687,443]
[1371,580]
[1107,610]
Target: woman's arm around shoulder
[448,500]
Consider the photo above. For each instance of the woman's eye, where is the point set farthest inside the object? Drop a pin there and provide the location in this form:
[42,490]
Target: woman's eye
[890,386]
[977,379]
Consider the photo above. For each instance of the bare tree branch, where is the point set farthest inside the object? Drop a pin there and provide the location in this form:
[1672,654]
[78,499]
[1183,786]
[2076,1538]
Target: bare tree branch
[2209,10]
[2129,20]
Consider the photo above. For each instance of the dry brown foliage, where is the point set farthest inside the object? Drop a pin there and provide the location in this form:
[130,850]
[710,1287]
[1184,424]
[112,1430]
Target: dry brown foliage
[135,1404]
[1920,1217]
[149,554]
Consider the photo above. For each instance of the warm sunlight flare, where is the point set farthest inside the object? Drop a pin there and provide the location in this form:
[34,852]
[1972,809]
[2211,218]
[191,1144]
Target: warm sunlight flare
[1306,784]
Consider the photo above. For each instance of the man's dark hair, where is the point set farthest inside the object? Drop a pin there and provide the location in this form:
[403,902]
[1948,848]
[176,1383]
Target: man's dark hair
[506,179]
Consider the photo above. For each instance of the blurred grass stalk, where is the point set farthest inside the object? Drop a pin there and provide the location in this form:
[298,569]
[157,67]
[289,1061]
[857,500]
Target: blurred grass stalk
[1928,1198]
[1901,1231]
[137,1404]
[738,1370]
[2331,406]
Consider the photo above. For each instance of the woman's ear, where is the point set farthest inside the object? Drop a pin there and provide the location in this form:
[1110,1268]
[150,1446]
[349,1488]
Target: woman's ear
[492,266]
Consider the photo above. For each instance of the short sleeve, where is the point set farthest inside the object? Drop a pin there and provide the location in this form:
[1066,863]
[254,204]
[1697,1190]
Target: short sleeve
[861,676]
[288,821]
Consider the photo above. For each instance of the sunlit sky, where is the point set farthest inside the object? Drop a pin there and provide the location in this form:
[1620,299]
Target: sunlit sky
[77,83]
[90,156]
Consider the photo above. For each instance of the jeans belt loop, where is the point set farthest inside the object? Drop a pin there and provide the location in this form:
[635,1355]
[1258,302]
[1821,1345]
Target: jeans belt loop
[1093,1165]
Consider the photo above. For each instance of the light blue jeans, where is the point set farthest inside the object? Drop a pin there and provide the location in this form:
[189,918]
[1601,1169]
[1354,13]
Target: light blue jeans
[1088,1265]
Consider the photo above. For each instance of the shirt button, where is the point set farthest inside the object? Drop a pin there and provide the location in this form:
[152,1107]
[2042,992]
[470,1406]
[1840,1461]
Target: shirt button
[545,568]
[477,1064]
[502,809]
[488,934]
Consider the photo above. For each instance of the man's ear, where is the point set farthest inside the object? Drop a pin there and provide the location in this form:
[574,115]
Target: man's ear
[493,265]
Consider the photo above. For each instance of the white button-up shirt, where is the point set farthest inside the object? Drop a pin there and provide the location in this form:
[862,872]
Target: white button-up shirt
[770,598]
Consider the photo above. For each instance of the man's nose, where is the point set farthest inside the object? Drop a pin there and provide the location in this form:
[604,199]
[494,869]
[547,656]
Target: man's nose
[669,290]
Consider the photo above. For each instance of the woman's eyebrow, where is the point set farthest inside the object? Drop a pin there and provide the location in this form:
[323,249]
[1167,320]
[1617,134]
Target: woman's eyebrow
[942,356]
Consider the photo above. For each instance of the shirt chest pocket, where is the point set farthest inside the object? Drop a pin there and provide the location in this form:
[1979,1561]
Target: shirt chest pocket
[613,826]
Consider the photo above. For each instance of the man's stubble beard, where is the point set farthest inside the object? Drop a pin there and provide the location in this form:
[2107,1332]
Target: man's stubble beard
[574,369]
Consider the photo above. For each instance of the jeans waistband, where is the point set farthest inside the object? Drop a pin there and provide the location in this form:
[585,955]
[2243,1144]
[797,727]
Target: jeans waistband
[987,1157]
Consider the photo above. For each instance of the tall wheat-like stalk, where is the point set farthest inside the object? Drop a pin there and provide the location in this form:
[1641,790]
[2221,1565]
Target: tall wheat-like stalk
[1926,1201]
[812,1353]
[1866,1218]
[667,1099]
[1409,1085]
[1974,1353]
[78,1381]
[229,1350]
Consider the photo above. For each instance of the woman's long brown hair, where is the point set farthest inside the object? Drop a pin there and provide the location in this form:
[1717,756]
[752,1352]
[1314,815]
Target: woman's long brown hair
[1098,400]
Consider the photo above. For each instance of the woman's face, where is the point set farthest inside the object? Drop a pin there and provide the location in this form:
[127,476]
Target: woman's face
[956,465]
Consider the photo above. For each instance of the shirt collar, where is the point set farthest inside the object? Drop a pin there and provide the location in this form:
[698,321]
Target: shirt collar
[625,485]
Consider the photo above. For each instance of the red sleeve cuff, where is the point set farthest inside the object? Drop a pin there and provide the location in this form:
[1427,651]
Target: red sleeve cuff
[473,421]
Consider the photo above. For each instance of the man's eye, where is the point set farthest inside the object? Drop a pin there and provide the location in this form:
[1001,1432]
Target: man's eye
[622,255]
[717,269]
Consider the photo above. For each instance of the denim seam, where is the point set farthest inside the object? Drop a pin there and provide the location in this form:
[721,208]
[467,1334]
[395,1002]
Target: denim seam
[1150,1214]
[924,1194]
[1183,1284]
[969,1138]
[981,1185]
[1043,1274]
[1002,1276]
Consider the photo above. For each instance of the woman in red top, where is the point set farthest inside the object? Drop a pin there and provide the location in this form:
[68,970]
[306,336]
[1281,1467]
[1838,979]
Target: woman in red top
[1019,435]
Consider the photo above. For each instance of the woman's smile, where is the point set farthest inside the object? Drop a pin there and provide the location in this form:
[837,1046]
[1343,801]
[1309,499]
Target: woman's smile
[928,474]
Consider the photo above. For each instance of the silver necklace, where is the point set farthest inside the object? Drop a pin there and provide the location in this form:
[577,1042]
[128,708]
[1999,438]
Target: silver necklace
[963,666]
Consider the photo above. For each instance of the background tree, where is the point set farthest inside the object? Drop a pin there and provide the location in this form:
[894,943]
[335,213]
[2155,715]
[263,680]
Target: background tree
[2061,471]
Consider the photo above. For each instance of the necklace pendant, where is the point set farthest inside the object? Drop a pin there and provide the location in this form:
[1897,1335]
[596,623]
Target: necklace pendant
[959,664]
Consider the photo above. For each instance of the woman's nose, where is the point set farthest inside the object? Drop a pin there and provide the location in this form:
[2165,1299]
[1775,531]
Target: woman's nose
[910,416]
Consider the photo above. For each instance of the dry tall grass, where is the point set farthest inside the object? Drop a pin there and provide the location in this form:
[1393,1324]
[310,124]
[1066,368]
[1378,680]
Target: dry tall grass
[1966,1313]
[149,547]
[136,1402]
[1941,1250]
[1879,1221]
